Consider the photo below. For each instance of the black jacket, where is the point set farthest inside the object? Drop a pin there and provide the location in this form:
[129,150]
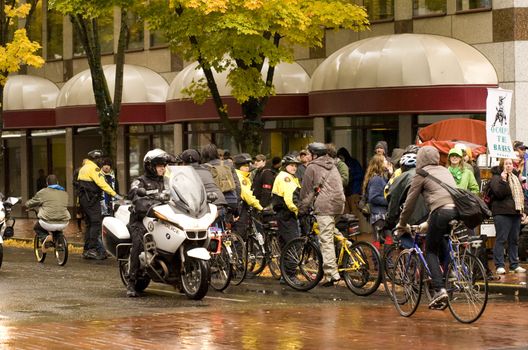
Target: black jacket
[153,185]
[502,202]
[263,184]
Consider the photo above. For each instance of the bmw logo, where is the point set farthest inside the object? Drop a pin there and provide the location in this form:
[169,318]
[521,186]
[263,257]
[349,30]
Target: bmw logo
[150,226]
[167,235]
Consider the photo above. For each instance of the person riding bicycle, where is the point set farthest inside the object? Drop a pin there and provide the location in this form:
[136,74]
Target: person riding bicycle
[53,211]
[242,164]
[322,189]
[285,199]
[442,209]
[152,181]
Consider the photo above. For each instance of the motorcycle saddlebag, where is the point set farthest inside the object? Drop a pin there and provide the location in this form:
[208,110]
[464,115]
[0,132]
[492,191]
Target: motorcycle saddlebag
[116,238]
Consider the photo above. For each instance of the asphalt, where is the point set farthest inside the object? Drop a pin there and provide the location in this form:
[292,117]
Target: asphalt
[510,283]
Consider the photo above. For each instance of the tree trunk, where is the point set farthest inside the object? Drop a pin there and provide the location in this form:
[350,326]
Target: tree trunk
[252,126]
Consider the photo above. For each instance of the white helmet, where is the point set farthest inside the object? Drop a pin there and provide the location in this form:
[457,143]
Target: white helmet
[153,158]
[408,160]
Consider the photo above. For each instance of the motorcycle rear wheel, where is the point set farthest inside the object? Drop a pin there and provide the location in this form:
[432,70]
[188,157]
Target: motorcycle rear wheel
[141,283]
[195,278]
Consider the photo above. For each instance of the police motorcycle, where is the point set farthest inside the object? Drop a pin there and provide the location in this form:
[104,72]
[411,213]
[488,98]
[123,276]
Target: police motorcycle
[177,235]
[7,223]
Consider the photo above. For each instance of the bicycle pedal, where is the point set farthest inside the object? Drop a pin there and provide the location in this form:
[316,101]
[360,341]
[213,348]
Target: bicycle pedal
[438,306]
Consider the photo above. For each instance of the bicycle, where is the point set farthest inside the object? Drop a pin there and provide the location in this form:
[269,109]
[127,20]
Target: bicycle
[255,246]
[465,278]
[358,262]
[220,262]
[58,243]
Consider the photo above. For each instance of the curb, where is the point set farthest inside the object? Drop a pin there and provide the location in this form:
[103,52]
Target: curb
[30,240]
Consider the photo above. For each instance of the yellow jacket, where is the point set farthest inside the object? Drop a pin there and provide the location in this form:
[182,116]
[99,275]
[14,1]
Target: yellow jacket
[90,174]
[284,186]
[245,189]
[397,173]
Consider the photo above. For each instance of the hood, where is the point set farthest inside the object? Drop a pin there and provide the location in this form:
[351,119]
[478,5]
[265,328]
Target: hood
[382,144]
[427,155]
[325,161]
[496,170]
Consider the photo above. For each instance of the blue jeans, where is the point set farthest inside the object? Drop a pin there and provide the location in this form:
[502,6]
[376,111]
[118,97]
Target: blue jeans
[507,228]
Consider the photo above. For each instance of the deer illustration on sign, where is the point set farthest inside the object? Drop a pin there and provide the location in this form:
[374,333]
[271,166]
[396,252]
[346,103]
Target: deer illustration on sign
[500,116]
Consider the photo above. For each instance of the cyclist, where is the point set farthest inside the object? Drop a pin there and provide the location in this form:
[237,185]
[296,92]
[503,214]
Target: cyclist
[154,164]
[242,164]
[285,199]
[442,209]
[322,189]
[53,213]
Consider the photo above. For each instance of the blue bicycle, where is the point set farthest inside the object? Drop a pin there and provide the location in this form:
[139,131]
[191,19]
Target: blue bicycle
[465,277]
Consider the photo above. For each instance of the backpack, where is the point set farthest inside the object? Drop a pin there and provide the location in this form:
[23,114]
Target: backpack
[222,176]
[487,194]
[471,208]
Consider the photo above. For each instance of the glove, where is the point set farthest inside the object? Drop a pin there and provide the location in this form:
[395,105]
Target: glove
[423,227]
[118,197]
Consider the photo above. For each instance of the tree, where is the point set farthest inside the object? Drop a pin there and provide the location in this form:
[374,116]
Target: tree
[85,17]
[16,49]
[239,35]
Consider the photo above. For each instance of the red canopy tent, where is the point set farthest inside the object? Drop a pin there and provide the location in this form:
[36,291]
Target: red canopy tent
[445,134]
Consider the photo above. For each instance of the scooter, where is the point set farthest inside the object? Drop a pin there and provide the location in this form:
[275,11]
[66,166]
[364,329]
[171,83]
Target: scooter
[7,223]
[177,235]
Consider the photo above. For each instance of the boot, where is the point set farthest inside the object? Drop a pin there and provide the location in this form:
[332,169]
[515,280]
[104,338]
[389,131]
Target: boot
[131,289]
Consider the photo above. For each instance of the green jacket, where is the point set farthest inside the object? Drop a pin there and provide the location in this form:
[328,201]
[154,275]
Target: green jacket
[53,205]
[465,179]
[343,171]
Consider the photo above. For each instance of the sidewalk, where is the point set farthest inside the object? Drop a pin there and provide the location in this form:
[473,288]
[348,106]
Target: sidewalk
[510,283]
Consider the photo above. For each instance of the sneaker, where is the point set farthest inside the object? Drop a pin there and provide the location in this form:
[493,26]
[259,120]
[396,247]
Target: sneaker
[330,282]
[131,291]
[500,271]
[439,298]
[519,269]
[90,254]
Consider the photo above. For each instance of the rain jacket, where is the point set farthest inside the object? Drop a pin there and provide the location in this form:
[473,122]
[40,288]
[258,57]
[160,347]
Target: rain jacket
[92,181]
[284,187]
[428,159]
[53,203]
[322,175]
[246,193]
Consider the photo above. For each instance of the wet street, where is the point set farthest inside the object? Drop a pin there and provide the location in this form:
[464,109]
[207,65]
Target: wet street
[83,306]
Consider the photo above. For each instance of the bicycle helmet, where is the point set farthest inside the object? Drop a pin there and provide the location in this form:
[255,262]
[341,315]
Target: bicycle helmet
[242,158]
[290,159]
[408,160]
[411,149]
[152,158]
[95,154]
[317,148]
[190,156]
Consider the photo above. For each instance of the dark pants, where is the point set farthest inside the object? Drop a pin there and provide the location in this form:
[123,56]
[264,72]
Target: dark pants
[436,243]
[241,226]
[288,230]
[91,207]
[137,232]
[41,232]
[507,228]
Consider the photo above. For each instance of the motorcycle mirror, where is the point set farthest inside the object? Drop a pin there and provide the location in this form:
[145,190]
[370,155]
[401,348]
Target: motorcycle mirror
[13,200]
[211,197]
[141,192]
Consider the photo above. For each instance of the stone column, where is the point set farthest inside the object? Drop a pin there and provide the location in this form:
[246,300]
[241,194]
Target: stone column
[178,138]
[319,129]
[70,165]
[405,130]
[25,148]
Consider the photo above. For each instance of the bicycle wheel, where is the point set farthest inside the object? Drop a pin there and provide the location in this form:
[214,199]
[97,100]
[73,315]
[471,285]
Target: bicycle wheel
[467,286]
[407,283]
[301,264]
[220,269]
[256,257]
[361,269]
[390,255]
[37,249]
[237,257]
[273,259]
[61,250]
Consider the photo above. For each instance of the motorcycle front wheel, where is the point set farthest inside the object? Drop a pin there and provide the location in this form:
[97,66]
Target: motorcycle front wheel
[195,278]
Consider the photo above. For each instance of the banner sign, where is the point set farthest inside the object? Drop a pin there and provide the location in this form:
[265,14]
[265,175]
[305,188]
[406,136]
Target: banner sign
[498,109]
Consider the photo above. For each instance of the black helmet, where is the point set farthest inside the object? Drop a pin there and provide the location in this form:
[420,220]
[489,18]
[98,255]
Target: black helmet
[317,148]
[190,156]
[290,159]
[155,157]
[242,158]
[95,154]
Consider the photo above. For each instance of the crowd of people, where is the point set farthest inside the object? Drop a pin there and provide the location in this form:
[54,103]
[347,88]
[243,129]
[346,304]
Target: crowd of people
[321,181]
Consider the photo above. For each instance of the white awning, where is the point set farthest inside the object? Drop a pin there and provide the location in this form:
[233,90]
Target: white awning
[24,92]
[403,60]
[140,85]
[289,78]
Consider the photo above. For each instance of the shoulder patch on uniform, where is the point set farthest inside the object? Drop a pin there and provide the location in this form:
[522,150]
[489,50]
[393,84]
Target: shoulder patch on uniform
[97,169]
[287,179]
[244,182]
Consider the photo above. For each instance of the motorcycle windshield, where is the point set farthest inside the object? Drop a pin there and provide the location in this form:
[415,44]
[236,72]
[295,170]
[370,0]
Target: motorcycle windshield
[186,190]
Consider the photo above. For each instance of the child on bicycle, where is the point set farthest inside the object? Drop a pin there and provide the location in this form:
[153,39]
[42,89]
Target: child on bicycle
[53,211]
[442,208]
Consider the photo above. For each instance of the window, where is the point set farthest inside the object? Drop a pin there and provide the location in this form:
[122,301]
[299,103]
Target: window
[35,24]
[464,5]
[157,38]
[379,10]
[428,7]
[54,37]
[106,37]
[136,32]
